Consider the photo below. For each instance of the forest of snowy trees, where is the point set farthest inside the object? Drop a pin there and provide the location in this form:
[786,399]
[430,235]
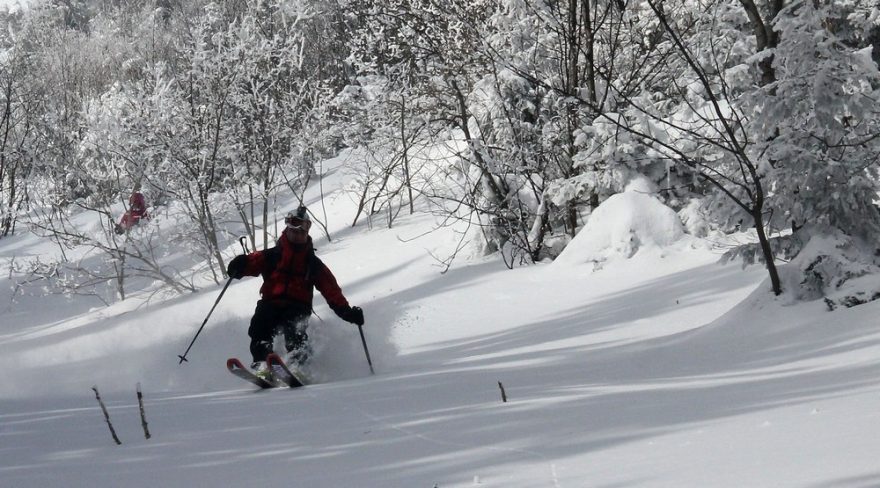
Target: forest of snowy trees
[746,116]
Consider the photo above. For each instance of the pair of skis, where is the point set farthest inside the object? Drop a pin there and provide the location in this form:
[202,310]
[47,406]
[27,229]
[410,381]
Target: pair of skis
[279,374]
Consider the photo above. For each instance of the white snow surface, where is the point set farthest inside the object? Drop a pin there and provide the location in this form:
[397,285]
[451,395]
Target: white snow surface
[662,370]
[623,225]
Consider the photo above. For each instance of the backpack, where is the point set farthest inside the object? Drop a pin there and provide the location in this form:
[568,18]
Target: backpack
[313,264]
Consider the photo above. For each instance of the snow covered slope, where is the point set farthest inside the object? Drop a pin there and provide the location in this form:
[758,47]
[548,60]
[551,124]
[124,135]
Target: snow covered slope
[664,369]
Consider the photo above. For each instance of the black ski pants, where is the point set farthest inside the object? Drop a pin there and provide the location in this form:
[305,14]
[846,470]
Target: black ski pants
[273,318]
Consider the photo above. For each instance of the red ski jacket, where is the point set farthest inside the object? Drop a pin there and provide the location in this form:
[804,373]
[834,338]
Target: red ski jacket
[291,272]
[137,211]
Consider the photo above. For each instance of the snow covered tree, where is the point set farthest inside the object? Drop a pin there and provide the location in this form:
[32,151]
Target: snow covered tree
[226,120]
[787,145]
[386,125]
[693,118]
[17,135]
[821,150]
[436,49]
[764,112]
[718,93]
[546,55]
[275,97]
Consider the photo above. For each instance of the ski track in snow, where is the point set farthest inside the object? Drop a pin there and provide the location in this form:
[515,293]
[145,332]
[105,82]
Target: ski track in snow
[410,432]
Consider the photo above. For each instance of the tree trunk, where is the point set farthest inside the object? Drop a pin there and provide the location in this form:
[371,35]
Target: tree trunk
[766,250]
[405,154]
[765,36]
[9,215]
[119,267]
[265,211]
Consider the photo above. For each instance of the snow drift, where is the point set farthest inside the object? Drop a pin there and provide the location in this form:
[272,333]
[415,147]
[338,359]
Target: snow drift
[623,225]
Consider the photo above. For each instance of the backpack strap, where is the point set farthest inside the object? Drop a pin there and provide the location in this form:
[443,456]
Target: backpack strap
[313,267]
[272,258]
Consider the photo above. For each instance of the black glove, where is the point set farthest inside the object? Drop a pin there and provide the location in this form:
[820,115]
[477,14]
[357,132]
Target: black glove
[235,269]
[354,315]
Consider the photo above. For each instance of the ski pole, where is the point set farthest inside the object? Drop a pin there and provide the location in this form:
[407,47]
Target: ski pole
[243,241]
[363,341]
[183,357]
[366,351]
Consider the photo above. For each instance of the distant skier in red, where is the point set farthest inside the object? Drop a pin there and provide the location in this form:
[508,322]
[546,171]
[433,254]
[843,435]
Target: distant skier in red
[291,272]
[137,211]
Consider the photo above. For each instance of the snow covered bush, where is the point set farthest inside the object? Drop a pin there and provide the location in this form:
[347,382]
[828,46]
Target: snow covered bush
[836,268]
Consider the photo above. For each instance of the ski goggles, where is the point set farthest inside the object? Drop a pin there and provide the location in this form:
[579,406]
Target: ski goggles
[297,223]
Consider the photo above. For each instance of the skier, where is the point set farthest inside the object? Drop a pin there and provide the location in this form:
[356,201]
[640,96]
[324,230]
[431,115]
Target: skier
[291,272]
[137,210]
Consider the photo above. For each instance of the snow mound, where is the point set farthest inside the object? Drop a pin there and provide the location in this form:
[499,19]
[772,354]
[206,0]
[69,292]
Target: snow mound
[621,226]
